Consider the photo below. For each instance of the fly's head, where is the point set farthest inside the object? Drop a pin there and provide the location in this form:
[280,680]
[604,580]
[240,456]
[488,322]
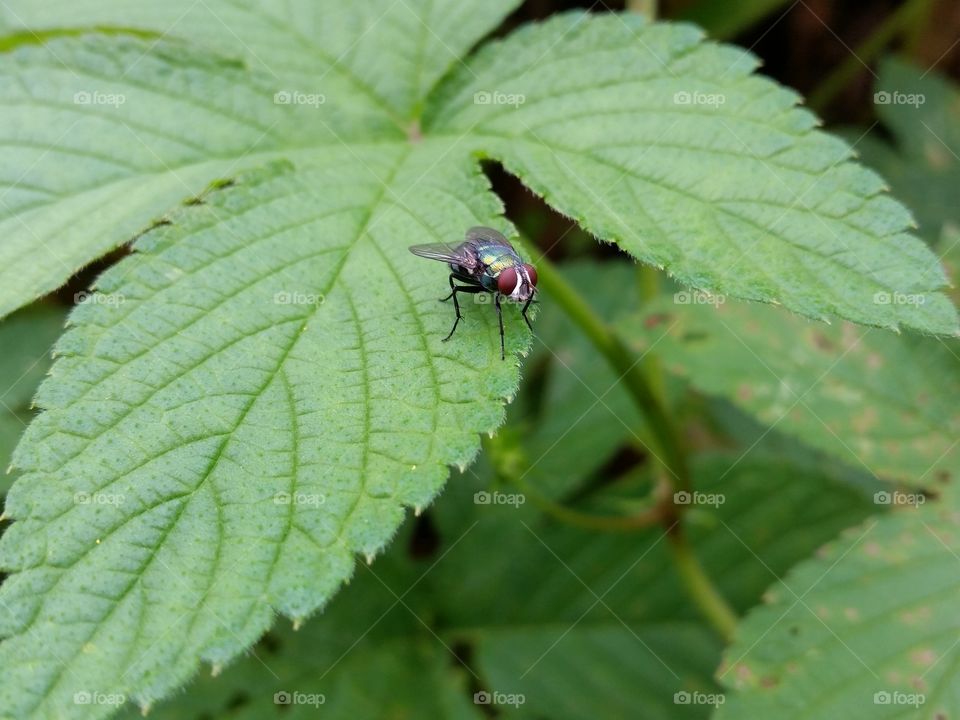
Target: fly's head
[518,283]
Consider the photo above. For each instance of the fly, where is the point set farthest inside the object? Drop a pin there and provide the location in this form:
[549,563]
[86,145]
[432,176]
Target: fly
[484,262]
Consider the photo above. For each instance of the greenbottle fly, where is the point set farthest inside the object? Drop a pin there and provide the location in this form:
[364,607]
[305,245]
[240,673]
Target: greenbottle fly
[484,262]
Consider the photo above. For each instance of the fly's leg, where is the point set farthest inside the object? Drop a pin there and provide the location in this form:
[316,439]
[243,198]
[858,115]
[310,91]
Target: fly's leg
[496,301]
[454,289]
[524,311]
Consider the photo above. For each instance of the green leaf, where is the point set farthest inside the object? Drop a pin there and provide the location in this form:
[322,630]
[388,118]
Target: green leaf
[381,57]
[866,630]
[367,657]
[276,337]
[505,612]
[250,399]
[880,402]
[671,148]
[724,20]
[27,339]
[638,159]
[105,134]
[921,111]
[582,418]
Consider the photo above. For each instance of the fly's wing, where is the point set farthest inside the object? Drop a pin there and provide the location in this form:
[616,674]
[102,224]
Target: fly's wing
[446,252]
[486,235]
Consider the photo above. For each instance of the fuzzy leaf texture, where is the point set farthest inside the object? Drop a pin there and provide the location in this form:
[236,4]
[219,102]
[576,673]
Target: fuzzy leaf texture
[257,393]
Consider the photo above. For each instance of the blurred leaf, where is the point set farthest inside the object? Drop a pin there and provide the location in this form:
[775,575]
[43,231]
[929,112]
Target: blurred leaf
[868,629]
[878,401]
[584,414]
[921,110]
[27,339]
[724,20]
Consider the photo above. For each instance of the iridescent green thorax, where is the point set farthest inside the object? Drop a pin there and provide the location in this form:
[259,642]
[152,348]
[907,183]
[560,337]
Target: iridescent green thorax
[496,257]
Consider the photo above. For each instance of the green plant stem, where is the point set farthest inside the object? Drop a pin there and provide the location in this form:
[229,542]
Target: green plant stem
[668,447]
[607,523]
[708,599]
[673,456]
[904,20]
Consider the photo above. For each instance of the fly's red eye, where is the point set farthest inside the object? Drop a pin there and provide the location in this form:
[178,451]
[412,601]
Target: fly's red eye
[507,281]
[531,273]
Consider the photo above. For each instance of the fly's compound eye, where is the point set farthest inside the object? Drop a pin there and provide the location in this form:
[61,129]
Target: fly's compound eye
[507,281]
[531,273]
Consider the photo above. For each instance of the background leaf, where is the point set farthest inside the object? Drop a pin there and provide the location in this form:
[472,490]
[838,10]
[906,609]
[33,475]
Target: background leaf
[866,630]
[881,403]
[921,111]
[27,339]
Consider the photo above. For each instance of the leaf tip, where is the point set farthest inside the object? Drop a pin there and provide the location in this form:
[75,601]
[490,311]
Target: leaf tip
[215,669]
[297,623]
[417,510]
[145,708]
[369,557]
